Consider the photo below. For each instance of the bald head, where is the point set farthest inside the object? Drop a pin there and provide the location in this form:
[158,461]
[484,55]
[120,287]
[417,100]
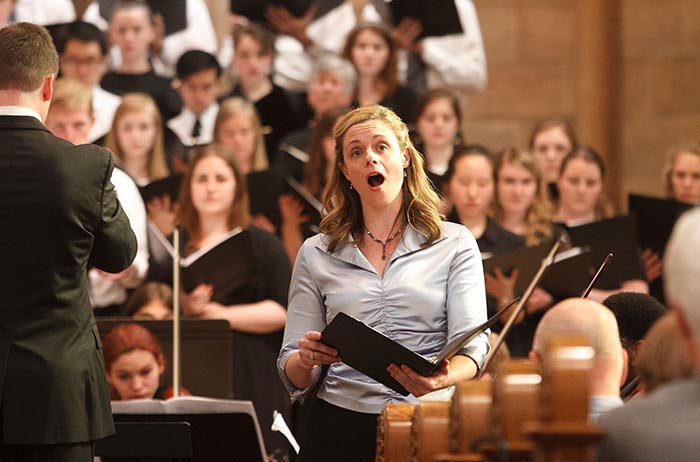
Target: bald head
[682,267]
[579,317]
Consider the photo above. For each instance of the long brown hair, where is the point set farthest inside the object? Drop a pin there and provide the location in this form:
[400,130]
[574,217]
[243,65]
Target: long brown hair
[420,206]
[540,214]
[188,216]
[603,209]
[554,122]
[389,76]
[690,148]
[140,102]
[236,105]
[315,169]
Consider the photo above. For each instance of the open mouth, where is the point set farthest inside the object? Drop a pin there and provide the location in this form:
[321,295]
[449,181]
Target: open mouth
[375,180]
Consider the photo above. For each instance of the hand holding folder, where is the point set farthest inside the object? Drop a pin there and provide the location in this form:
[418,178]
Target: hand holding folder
[371,352]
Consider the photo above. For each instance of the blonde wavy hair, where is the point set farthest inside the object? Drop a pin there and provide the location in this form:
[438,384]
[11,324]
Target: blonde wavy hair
[420,207]
[540,214]
[236,105]
[140,102]
[690,148]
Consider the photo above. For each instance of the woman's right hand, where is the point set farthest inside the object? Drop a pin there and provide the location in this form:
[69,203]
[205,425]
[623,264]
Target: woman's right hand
[312,352]
[291,210]
[194,303]
[161,212]
[500,286]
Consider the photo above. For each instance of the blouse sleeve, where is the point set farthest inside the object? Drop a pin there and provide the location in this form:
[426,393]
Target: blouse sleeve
[466,296]
[305,312]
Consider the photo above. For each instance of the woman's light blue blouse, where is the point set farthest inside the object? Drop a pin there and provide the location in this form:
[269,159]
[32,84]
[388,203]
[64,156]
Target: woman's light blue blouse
[427,297]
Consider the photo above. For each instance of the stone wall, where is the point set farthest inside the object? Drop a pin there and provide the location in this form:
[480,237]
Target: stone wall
[535,69]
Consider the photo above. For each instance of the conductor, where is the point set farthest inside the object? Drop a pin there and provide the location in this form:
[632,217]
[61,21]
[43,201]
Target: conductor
[58,215]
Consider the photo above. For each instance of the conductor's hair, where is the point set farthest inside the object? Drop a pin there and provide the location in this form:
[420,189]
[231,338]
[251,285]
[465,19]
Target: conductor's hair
[28,56]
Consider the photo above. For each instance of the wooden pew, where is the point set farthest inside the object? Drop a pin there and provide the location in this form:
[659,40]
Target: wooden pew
[394,433]
[563,434]
[429,431]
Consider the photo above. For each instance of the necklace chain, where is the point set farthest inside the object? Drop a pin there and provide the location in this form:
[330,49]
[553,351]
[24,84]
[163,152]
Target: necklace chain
[383,243]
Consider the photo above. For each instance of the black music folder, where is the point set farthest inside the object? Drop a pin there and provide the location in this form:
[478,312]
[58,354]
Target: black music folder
[655,218]
[266,186]
[615,235]
[371,352]
[527,259]
[571,272]
[254,10]
[168,186]
[438,17]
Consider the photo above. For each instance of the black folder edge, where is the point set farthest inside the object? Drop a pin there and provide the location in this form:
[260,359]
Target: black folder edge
[168,186]
[654,218]
[344,331]
[527,259]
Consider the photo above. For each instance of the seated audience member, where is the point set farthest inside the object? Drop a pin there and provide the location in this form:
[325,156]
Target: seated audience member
[197,82]
[253,53]
[136,139]
[322,30]
[437,131]
[663,425]
[550,141]
[70,117]
[635,314]
[372,50]
[455,60]
[134,363]
[132,30]
[82,50]
[581,201]
[332,85]
[682,174]
[579,317]
[153,300]
[316,174]
[663,356]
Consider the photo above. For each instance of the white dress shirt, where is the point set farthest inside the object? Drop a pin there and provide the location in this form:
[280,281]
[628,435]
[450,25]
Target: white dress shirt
[104,105]
[104,291]
[183,123]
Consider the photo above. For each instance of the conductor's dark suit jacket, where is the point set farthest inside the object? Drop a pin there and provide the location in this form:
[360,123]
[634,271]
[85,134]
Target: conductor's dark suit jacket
[58,215]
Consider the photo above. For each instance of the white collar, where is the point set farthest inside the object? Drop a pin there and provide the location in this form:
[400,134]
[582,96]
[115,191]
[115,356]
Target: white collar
[19,111]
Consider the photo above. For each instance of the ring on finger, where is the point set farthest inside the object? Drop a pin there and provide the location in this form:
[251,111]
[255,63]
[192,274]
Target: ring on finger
[311,355]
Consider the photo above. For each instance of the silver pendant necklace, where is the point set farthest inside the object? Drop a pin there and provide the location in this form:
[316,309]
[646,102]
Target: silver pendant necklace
[383,243]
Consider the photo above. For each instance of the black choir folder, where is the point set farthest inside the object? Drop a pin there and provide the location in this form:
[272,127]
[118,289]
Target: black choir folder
[655,218]
[438,17]
[371,352]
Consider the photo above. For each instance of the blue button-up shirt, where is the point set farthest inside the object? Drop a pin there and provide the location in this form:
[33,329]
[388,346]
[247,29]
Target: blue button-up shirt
[427,297]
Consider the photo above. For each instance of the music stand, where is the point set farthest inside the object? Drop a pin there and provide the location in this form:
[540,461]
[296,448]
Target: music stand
[171,440]
[221,430]
[207,352]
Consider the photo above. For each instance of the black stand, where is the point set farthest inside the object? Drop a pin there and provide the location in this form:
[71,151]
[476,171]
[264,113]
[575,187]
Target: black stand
[171,440]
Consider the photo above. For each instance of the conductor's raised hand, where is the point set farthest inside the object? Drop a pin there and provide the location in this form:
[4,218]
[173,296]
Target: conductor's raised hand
[312,352]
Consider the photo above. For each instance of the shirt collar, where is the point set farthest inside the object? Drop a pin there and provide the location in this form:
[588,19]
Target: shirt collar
[19,111]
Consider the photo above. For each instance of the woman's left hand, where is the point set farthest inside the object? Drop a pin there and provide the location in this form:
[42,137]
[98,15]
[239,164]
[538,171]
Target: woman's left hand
[418,385]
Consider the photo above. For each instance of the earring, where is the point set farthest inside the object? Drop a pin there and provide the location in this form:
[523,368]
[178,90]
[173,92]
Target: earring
[404,173]
[350,186]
